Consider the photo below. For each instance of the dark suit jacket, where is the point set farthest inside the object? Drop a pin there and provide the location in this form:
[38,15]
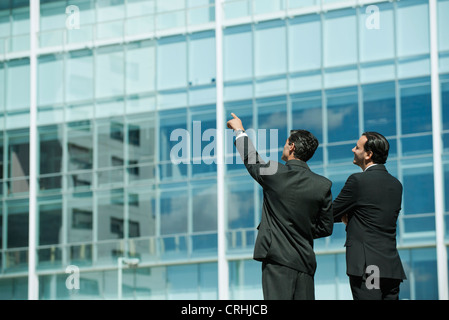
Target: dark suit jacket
[372,200]
[297,208]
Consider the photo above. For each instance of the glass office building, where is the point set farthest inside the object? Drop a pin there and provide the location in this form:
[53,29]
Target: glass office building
[92,92]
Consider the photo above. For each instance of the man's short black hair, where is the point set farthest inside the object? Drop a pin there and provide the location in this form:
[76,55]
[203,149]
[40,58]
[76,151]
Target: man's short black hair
[378,144]
[305,144]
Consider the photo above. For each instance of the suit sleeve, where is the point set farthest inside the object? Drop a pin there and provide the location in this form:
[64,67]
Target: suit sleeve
[325,222]
[255,165]
[346,200]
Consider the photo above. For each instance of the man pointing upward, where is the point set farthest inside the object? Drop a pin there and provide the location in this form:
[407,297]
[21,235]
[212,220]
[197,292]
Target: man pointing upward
[297,208]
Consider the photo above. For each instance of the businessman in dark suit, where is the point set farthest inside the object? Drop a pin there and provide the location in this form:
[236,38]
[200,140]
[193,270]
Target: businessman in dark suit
[297,208]
[369,205]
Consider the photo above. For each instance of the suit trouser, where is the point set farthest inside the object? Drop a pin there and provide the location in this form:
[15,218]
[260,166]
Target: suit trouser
[388,289]
[283,283]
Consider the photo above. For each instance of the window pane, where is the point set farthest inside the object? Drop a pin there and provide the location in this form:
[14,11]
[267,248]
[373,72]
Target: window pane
[142,213]
[304,43]
[342,115]
[240,199]
[17,84]
[340,50]
[307,113]
[50,79]
[202,58]
[109,72]
[416,109]
[110,215]
[418,191]
[172,63]
[80,146]
[270,48]
[237,53]
[50,155]
[443,25]
[377,44]
[272,115]
[412,27]
[110,143]
[173,204]
[50,222]
[204,207]
[140,67]
[17,223]
[18,161]
[379,108]
[79,76]
[79,217]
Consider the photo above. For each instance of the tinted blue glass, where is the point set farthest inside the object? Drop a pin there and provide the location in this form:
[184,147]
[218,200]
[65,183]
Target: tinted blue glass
[171,62]
[240,199]
[416,105]
[79,76]
[50,79]
[376,32]
[445,104]
[272,114]
[418,191]
[173,205]
[140,67]
[174,142]
[342,114]
[304,43]
[237,53]
[340,50]
[270,48]
[412,31]
[307,113]
[421,270]
[18,84]
[202,58]
[109,72]
[443,25]
[379,110]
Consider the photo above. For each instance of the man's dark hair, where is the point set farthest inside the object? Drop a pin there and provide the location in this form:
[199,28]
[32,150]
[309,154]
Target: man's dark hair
[378,144]
[305,144]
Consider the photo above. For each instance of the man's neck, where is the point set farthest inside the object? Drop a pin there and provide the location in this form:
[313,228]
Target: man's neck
[369,165]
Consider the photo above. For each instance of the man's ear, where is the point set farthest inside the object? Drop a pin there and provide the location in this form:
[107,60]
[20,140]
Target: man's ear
[369,155]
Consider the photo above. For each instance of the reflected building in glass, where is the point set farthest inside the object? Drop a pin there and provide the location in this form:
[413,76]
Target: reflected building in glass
[110,94]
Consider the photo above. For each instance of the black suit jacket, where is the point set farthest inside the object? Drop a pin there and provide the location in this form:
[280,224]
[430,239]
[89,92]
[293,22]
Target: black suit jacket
[372,200]
[297,208]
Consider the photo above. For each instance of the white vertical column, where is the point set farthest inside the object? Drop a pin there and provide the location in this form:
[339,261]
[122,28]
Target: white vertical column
[33,284]
[438,173]
[223,270]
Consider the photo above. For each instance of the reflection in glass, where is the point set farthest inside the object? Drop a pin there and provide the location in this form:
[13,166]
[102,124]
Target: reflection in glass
[174,207]
[202,58]
[80,147]
[270,48]
[340,50]
[171,63]
[416,105]
[237,53]
[109,72]
[79,83]
[304,43]
[17,220]
[111,224]
[379,108]
[79,218]
[412,33]
[342,114]
[18,160]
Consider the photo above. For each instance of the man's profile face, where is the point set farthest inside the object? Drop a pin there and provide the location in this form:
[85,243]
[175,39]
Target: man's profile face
[359,152]
[286,151]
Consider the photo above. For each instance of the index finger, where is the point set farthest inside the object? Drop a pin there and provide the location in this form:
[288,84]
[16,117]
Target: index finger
[235,117]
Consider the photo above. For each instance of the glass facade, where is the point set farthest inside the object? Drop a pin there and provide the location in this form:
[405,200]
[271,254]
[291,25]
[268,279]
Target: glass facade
[117,79]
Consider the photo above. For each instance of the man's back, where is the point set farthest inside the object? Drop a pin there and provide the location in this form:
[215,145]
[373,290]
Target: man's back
[297,208]
[372,200]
